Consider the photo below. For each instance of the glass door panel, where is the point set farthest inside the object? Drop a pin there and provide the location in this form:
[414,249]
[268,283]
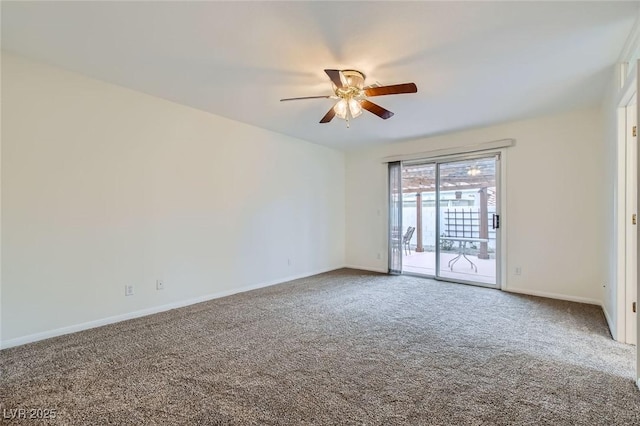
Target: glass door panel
[419,219]
[468,221]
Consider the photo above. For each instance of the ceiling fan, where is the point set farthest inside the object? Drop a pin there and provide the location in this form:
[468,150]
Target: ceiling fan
[349,88]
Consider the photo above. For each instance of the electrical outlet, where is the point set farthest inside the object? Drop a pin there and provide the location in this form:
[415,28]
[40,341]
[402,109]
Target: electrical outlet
[128,290]
[289,262]
[159,285]
[518,270]
[379,256]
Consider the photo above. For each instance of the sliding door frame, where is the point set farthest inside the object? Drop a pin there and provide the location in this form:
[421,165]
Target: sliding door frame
[500,156]
[395,211]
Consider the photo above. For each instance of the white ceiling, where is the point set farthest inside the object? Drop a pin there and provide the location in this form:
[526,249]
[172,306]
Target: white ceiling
[475,63]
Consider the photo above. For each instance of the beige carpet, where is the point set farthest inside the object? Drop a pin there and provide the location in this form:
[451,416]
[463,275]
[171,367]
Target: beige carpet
[345,347]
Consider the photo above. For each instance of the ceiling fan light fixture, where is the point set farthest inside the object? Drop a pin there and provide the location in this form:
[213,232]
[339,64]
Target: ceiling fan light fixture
[340,109]
[355,108]
[347,108]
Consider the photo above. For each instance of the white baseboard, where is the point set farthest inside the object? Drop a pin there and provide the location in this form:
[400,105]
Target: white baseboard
[149,311]
[559,296]
[367,268]
[610,324]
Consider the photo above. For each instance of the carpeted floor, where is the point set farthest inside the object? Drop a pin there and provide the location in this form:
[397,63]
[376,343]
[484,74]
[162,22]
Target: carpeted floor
[346,347]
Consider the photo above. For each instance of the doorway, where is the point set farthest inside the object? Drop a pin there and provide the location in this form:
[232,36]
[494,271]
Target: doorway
[449,219]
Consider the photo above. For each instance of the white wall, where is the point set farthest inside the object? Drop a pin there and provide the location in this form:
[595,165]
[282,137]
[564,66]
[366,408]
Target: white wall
[103,186]
[556,162]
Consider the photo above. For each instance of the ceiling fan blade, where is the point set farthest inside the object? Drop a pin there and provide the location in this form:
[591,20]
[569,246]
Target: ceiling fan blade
[392,90]
[305,97]
[328,116]
[335,75]
[376,109]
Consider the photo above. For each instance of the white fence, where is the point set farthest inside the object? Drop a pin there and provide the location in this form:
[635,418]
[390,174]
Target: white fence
[429,224]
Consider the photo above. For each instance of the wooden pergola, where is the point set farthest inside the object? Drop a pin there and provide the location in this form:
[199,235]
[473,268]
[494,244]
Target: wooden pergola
[479,175]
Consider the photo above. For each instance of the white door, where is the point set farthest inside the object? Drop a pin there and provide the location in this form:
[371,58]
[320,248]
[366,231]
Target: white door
[631,221]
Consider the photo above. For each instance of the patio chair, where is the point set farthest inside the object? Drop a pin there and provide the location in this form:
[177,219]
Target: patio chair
[406,239]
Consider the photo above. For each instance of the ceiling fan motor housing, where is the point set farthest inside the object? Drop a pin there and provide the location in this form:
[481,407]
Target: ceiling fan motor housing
[352,84]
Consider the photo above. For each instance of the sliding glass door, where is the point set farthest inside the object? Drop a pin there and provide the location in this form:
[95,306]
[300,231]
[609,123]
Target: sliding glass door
[468,221]
[445,216]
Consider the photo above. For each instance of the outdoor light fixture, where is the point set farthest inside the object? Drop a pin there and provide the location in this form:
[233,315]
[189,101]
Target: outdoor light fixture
[473,171]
